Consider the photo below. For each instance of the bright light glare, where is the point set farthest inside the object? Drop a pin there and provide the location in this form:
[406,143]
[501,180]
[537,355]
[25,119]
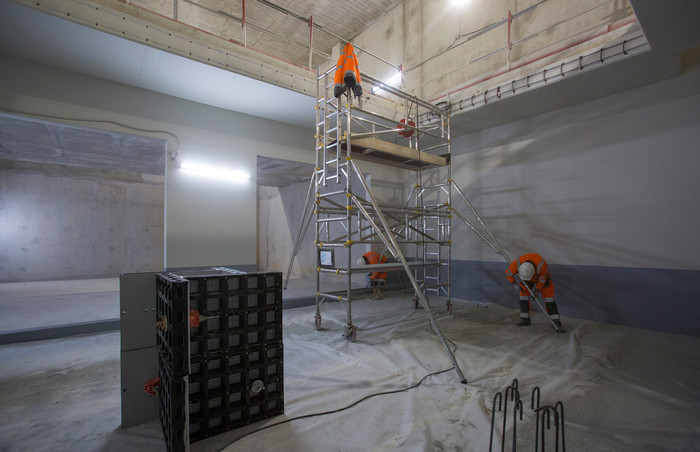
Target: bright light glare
[394,81]
[459,3]
[214,172]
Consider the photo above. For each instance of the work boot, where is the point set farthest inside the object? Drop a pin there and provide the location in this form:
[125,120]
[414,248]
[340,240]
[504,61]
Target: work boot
[559,328]
[523,322]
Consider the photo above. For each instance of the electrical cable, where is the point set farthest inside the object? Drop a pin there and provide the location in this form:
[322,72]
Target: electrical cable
[323,413]
[475,34]
[357,402]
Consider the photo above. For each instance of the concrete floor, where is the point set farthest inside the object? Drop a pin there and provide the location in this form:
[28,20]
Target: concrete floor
[61,387]
[51,303]
[624,389]
[46,304]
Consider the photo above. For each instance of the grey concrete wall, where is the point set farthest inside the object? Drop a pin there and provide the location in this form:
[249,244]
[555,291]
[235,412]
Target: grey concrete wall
[652,298]
[61,222]
[606,191]
[280,217]
[279,211]
[611,182]
[445,47]
[207,222]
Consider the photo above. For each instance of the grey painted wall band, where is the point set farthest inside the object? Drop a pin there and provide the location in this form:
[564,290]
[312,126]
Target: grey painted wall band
[656,299]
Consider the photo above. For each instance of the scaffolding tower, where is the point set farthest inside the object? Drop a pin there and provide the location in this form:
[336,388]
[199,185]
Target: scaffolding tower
[415,235]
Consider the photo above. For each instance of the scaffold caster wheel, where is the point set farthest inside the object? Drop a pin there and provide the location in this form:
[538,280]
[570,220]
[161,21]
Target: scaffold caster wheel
[350,333]
[318,322]
[449,307]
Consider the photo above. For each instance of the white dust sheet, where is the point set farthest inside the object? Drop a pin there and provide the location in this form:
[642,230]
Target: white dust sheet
[623,389]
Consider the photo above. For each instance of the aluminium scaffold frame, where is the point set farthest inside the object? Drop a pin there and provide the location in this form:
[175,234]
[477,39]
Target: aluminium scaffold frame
[346,216]
[346,212]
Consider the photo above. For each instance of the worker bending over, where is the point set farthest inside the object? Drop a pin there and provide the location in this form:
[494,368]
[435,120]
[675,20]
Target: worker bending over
[534,271]
[376,280]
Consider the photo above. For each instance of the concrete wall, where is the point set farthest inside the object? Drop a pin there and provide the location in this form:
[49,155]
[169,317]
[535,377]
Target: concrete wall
[606,192]
[278,231]
[62,222]
[206,222]
[444,47]
[280,218]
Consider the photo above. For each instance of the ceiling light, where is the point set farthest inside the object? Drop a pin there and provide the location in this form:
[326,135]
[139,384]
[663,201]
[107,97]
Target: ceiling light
[459,3]
[214,172]
[394,81]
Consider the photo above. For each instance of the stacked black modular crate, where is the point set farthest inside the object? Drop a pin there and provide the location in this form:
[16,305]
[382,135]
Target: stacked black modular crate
[220,352]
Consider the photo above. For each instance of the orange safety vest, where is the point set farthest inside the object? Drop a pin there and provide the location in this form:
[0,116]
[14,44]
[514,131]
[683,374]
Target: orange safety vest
[347,73]
[375,258]
[541,275]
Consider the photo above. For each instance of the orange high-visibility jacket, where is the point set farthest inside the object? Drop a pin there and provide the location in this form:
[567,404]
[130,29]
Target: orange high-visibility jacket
[541,269]
[347,73]
[375,258]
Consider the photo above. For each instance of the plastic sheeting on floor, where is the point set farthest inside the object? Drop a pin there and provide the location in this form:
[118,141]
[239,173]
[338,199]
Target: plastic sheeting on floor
[623,389]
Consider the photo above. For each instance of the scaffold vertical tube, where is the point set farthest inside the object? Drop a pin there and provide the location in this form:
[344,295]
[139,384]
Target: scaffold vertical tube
[393,245]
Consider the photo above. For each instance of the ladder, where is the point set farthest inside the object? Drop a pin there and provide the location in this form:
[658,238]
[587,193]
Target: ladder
[347,216]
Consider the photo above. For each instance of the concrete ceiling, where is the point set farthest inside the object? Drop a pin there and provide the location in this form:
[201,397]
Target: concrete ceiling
[670,27]
[279,27]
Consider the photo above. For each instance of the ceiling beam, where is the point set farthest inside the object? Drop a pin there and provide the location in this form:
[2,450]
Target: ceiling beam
[145,27]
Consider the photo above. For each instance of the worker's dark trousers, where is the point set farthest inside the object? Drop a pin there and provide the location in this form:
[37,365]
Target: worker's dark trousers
[550,305]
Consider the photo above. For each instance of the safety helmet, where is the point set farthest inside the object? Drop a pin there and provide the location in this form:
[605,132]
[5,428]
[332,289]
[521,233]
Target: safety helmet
[361,261]
[526,270]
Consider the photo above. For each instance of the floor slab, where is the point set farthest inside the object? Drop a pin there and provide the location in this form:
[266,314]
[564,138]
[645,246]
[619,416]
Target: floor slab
[623,389]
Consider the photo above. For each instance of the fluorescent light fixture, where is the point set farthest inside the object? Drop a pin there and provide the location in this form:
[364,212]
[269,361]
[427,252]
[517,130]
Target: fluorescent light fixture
[214,172]
[394,81]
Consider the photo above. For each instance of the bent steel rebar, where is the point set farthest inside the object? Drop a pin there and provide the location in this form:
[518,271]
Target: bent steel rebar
[535,405]
[545,424]
[560,407]
[498,397]
[514,397]
[517,407]
[542,415]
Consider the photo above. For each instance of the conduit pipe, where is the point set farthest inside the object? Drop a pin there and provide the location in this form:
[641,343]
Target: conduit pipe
[321,28]
[244,23]
[510,88]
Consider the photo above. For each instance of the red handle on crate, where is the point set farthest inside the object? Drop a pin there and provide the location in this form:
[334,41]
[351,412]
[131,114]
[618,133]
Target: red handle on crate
[152,386]
[194,318]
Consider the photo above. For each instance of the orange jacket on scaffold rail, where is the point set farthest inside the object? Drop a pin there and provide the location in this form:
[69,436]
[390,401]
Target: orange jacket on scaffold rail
[375,258]
[347,73]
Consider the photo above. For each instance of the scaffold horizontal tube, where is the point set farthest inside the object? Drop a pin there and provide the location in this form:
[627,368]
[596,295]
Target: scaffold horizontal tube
[326,220]
[335,297]
[333,193]
[426,187]
[437,146]
[404,94]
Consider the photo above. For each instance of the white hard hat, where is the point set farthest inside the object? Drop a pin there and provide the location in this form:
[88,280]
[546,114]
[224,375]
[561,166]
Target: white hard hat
[526,270]
[361,261]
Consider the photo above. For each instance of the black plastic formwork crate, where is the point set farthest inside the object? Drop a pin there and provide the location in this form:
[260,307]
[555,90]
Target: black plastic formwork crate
[226,371]
[173,319]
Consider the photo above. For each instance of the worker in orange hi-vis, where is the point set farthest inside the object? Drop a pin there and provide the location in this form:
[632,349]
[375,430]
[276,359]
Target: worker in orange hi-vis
[534,271]
[347,73]
[376,280]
